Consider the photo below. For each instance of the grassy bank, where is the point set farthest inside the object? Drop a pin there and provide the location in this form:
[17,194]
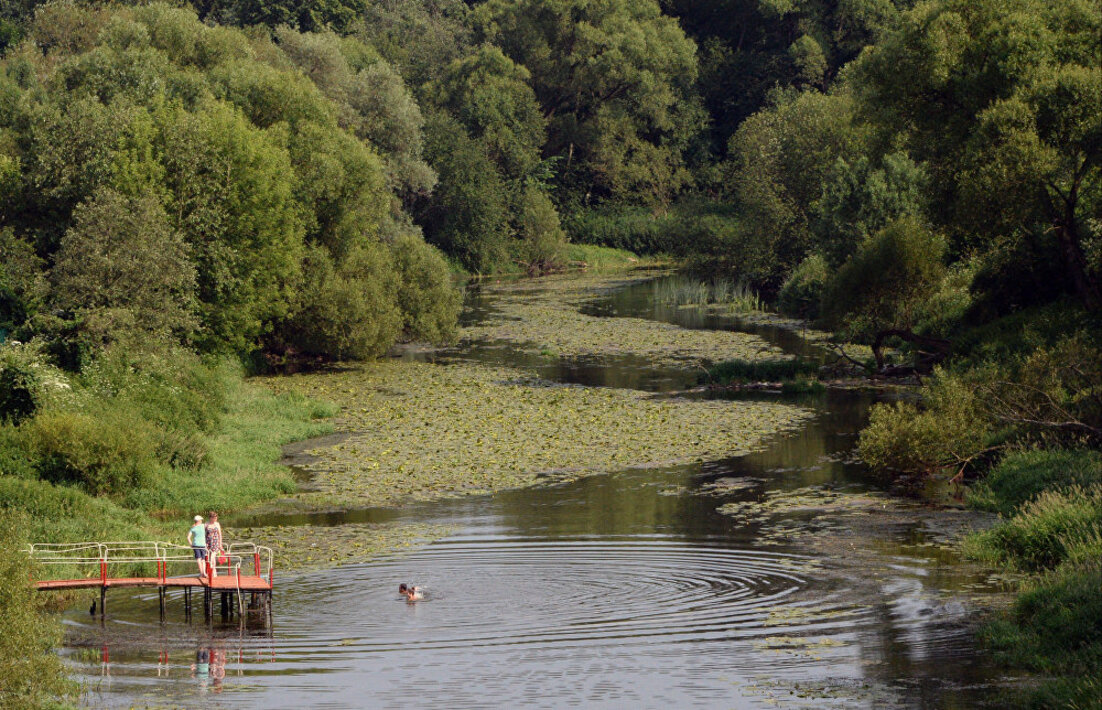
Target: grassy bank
[1051,505]
[129,449]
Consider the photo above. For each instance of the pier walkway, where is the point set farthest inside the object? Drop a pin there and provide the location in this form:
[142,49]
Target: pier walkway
[244,568]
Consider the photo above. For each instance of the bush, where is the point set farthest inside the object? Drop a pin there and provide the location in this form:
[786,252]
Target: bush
[33,675]
[947,429]
[349,309]
[802,292]
[1021,476]
[429,303]
[21,382]
[106,454]
[1049,530]
[543,243]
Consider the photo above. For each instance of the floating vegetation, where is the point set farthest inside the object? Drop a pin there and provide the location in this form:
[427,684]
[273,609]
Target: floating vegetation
[727,485]
[302,547]
[419,431]
[815,500]
[544,318]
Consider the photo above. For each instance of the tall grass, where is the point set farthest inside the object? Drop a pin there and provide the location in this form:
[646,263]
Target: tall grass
[686,291]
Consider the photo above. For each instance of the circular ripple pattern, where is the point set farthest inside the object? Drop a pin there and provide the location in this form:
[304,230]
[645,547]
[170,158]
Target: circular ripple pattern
[501,592]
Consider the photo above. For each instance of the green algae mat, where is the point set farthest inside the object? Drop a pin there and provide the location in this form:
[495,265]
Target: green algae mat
[419,431]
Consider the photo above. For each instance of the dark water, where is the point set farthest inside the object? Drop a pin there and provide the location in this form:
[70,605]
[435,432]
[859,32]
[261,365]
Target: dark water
[618,591]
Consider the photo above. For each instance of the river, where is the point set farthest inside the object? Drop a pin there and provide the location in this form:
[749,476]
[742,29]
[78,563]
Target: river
[628,589]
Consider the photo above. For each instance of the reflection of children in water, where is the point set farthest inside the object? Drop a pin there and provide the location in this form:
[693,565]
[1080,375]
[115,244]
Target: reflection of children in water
[209,668]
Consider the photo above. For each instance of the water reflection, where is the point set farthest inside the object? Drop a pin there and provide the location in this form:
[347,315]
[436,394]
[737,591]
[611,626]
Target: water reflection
[622,590]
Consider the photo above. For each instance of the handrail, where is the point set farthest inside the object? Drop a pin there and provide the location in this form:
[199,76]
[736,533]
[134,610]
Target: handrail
[135,552]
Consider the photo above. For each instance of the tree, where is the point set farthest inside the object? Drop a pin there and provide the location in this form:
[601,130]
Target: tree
[777,163]
[880,291]
[859,199]
[489,95]
[122,255]
[606,73]
[232,197]
[1004,104]
[467,215]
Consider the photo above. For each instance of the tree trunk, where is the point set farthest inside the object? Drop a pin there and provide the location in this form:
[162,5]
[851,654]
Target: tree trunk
[939,346]
[1075,263]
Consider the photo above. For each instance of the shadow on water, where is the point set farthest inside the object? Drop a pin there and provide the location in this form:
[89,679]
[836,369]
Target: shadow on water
[622,590]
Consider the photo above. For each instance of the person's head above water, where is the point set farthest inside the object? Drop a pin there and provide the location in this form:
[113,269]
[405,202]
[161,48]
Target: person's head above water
[402,588]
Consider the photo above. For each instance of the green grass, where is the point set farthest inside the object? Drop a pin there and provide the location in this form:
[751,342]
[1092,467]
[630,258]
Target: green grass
[1051,503]
[1055,628]
[601,259]
[243,455]
[743,371]
[1021,476]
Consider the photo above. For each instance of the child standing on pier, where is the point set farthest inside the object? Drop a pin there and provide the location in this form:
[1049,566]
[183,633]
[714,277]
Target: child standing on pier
[214,543]
[197,538]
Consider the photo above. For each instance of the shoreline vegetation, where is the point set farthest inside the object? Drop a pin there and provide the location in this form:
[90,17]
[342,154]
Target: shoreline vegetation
[196,192]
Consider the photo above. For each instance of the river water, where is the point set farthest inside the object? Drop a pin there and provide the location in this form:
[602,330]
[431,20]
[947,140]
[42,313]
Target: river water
[625,590]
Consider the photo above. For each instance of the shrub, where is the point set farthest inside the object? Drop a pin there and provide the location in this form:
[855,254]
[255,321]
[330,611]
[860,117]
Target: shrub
[802,292]
[349,309]
[164,384]
[33,674]
[761,370]
[887,281]
[106,453]
[429,303]
[948,428]
[543,243]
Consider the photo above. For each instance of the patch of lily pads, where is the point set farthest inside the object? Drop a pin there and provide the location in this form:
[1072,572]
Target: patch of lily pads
[418,431]
[300,548]
[545,317]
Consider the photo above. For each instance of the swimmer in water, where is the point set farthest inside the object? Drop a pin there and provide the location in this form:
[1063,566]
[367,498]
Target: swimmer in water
[410,592]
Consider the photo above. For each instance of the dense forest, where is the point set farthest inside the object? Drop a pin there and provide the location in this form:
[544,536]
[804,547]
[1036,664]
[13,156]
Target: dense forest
[190,191]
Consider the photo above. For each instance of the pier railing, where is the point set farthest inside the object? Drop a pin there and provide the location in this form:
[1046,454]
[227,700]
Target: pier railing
[146,560]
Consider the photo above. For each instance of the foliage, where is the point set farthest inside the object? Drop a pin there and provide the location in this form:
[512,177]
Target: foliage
[1021,476]
[801,293]
[886,282]
[742,371]
[33,674]
[948,429]
[779,160]
[26,381]
[859,200]
[429,304]
[1002,104]
[467,216]
[123,255]
[616,79]
[542,239]
[351,311]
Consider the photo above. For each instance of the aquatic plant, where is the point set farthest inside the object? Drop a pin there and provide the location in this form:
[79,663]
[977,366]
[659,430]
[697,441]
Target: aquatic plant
[420,431]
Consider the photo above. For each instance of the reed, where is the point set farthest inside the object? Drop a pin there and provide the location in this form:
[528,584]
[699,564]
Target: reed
[685,291]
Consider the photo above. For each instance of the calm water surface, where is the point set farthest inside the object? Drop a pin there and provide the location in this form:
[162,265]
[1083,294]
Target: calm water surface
[626,590]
